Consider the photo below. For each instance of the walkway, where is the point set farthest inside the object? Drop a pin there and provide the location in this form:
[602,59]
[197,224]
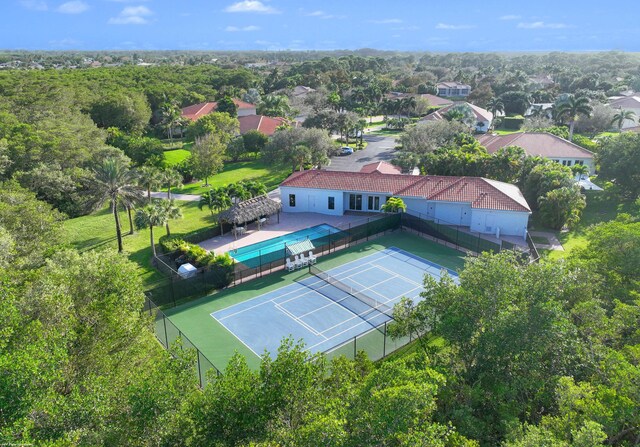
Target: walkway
[379,148]
[554,243]
[183,197]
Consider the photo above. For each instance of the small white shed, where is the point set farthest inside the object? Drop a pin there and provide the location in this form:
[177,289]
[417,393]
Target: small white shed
[187,270]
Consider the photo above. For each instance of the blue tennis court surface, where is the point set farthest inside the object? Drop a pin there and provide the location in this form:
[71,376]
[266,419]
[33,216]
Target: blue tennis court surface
[325,316]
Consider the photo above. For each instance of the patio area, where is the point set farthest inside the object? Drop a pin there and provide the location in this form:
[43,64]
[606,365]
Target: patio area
[289,222]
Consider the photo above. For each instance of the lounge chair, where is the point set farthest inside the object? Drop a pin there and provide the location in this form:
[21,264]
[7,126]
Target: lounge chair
[290,266]
[297,261]
[305,261]
[312,258]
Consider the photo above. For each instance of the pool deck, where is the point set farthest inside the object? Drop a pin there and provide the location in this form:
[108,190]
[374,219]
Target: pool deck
[289,222]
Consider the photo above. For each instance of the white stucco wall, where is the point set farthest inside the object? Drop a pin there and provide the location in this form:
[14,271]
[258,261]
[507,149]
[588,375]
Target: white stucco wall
[312,200]
[484,128]
[246,112]
[453,213]
[586,161]
[511,223]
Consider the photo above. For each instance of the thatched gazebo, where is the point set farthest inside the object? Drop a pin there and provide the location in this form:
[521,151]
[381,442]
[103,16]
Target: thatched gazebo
[257,208]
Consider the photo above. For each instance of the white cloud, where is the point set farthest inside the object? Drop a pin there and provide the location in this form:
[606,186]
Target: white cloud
[540,25]
[131,15]
[510,17]
[385,21]
[251,6]
[73,7]
[243,28]
[35,5]
[453,27]
[406,28]
[316,14]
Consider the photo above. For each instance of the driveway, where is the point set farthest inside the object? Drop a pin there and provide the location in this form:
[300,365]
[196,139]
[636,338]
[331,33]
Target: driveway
[379,148]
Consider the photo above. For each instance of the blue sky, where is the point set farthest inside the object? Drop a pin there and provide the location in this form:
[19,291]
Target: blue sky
[420,25]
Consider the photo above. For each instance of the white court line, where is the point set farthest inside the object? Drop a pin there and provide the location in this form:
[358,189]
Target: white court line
[232,333]
[262,303]
[297,320]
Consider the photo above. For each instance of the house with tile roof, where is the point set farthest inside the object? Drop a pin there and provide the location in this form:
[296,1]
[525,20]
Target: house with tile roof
[541,144]
[196,111]
[382,167]
[484,118]
[627,103]
[453,89]
[263,124]
[483,205]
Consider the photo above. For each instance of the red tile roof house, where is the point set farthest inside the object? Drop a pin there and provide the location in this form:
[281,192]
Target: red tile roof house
[541,144]
[199,110]
[483,205]
[484,117]
[264,124]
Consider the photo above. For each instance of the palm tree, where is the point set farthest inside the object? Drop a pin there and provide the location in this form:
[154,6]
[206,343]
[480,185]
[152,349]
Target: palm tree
[407,105]
[152,215]
[171,117]
[115,183]
[150,177]
[254,188]
[171,177]
[579,169]
[237,192]
[622,116]
[393,205]
[572,108]
[274,105]
[221,199]
[494,106]
[171,211]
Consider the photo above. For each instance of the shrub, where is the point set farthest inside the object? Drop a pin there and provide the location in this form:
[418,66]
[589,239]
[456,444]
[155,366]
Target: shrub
[221,268]
[513,122]
[170,244]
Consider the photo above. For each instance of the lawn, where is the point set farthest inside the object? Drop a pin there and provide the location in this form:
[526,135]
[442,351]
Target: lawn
[602,206]
[218,344]
[97,231]
[235,172]
[175,156]
[505,131]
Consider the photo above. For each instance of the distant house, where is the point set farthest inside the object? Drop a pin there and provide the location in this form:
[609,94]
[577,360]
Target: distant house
[483,205]
[453,89]
[436,101]
[263,124]
[545,107]
[627,103]
[300,91]
[381,167]
[484,118]
[199,110]
[541,144]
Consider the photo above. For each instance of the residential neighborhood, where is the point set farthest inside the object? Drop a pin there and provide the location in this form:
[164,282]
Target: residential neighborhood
[256,223]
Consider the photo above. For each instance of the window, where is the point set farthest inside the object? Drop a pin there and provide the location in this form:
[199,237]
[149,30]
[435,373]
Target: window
[332,203]
[292,200]
[355,202]
[564,162]
[568,162]
[579,162]
[374,203]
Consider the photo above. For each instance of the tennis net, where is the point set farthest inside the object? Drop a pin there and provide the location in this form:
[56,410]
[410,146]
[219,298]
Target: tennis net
[370,302]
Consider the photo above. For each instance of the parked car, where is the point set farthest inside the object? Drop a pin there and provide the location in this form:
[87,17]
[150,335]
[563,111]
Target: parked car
[346,150]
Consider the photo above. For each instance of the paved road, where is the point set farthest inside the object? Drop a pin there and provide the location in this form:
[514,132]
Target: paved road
[183,197]
[379,148]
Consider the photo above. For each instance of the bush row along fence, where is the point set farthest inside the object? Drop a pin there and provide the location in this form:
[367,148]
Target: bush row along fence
[172,338]
[176,289]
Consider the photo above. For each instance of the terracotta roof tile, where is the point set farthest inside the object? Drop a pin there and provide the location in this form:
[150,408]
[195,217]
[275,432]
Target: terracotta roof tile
[381,166]
[479,192]
[196,111]
[536,144]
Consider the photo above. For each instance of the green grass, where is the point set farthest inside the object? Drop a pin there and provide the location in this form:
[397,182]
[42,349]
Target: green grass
[175,156]
[218,344]
[602,206]
[97,231]
[235,172]
[386,132]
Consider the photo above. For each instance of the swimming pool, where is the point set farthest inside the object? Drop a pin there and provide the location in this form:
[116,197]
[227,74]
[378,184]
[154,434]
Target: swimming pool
[271,250]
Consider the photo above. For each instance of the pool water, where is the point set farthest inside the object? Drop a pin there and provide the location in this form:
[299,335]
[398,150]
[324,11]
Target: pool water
[264,252]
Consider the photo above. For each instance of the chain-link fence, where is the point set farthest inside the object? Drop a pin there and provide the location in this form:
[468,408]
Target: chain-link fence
[172,338]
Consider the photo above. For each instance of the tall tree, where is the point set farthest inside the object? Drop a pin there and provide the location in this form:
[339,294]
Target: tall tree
[495,106]
[207,156]
[115,183]
[171,211]
[571,109]
[622,116]
[619,159]
[171,116]
[152,215]
[171,178]
[150,177]
[274,105]
[226,105]
[215,199]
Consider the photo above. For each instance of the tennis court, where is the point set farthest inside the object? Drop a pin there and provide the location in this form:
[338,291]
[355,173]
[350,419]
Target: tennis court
[326,309]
